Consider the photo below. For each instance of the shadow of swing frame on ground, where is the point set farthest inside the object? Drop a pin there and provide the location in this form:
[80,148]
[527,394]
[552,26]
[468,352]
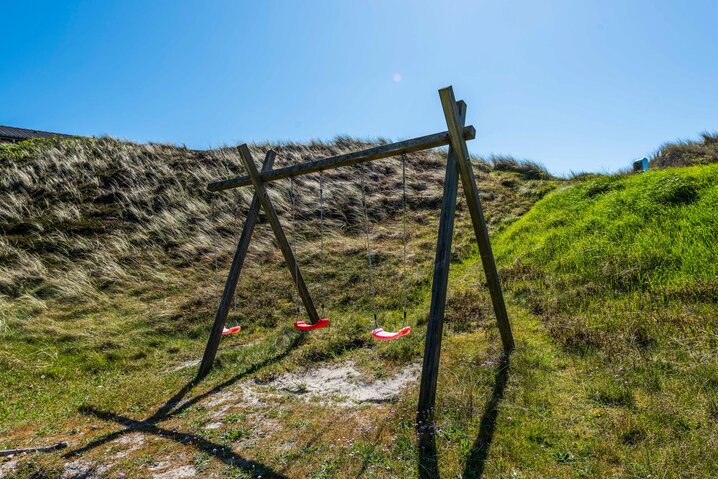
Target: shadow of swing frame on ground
[428,456]
[175,406]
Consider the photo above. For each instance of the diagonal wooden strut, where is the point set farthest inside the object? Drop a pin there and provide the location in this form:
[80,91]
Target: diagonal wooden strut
[230,286]
[466,173]
[271,213]
[439,284]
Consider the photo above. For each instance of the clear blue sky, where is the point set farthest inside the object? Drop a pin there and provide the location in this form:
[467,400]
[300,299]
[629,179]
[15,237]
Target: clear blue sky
[584,85]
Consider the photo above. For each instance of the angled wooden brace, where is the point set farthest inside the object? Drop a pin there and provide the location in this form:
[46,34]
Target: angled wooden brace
[271,213]
[439,284]
[220,319]
[466,173]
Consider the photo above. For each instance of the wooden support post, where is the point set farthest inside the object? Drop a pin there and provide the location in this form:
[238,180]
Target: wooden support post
[220,319]
[271,213]
[471,191]
[439,283]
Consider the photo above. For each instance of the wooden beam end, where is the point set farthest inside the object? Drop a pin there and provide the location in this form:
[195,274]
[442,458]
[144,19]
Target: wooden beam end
[469,132]
[446,90]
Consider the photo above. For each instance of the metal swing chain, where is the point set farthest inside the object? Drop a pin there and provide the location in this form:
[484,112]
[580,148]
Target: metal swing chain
[403,187]
[213,215]
[236,220]
[321,234]
[294,243]
[368,248]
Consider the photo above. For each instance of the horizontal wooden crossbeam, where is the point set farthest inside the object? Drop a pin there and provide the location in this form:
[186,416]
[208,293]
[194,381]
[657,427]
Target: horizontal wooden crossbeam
[370,154]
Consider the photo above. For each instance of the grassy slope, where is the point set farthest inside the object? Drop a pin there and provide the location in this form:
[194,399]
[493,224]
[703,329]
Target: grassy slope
[612,293]
[623,272]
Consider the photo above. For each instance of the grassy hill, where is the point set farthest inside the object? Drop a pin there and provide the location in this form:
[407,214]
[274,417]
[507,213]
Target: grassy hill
[112,253]
[623,273]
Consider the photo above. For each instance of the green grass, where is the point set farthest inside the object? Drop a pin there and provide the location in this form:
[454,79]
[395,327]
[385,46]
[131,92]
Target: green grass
[652,232]
[623,272]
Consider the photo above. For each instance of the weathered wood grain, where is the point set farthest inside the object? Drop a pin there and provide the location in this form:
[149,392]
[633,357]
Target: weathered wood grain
[27,450]
[439,284]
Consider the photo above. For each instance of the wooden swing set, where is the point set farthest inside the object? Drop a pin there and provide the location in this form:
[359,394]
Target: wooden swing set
[458,165]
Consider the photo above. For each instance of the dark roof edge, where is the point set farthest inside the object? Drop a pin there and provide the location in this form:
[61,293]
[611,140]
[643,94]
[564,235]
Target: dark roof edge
[15,133]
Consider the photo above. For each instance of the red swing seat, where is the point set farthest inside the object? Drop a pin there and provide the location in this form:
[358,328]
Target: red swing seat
[382,335]
[232,330]
[304,326]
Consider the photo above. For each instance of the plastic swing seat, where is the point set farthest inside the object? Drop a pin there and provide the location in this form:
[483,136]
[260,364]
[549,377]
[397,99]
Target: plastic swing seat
[232,330]
[382,335]
[304,326]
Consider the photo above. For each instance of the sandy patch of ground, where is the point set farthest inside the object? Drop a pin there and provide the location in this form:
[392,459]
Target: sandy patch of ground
[220,397]
[177,473]
[130,442]
[83,469]
[8,468]
[339,383]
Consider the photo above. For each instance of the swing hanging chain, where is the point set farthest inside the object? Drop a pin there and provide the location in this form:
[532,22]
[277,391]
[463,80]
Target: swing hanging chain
[292,199]
[368,248]
[239,235]
[403,186]
[321,235]
[213,214]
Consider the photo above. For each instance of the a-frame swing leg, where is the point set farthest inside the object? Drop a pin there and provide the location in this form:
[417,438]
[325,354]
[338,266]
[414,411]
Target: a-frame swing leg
[458,165]
[439,283]
[466,173]
[220,319]
[269,210]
